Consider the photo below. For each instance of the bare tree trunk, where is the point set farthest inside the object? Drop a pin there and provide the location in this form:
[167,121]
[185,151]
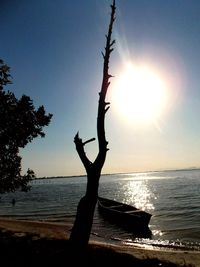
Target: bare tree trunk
[85,212]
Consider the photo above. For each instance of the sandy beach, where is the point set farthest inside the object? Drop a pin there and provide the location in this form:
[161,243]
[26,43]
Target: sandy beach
[36,230]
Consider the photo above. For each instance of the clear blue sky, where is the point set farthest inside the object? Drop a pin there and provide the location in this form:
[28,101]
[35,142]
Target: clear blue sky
[54,51]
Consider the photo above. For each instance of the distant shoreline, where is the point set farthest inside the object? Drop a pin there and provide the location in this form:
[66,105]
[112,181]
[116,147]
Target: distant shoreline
[106,174]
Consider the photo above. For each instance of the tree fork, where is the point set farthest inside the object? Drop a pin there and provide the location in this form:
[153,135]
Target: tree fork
[85,211]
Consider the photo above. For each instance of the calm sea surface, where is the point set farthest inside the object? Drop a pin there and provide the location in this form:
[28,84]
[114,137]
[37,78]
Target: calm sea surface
[172,197]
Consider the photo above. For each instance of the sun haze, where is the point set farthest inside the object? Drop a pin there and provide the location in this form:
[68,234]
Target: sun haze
[140,94]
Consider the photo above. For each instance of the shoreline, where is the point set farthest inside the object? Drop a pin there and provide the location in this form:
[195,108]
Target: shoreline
[60,231]
[118,173]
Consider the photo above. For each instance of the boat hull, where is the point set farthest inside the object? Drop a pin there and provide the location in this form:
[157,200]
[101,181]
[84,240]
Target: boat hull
[126,216]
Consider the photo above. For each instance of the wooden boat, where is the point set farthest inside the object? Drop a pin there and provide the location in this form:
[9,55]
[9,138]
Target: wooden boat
[124,215]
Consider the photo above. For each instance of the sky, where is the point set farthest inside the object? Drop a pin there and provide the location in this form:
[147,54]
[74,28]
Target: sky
[54,51]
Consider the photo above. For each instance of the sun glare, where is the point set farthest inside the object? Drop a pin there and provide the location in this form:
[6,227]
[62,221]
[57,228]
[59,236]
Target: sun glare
[139,94]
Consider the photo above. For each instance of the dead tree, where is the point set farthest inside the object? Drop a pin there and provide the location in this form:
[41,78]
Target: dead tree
[85,211]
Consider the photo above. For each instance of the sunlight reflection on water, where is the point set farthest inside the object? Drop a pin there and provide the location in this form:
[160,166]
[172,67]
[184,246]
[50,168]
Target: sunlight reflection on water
[138,194]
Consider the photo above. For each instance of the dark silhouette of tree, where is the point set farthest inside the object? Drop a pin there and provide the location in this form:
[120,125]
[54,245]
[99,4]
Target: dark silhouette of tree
[20,123]
[85,211]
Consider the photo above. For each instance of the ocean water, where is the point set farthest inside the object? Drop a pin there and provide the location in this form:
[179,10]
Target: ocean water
[172,197]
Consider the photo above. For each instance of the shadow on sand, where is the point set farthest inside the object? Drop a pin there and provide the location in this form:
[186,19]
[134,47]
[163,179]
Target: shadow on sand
[31,250]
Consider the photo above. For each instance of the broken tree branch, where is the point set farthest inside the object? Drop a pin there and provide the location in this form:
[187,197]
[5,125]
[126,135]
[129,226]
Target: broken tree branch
[81,152]
[88,141]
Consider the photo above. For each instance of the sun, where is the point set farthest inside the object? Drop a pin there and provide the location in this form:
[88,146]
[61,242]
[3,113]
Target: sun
[139,94]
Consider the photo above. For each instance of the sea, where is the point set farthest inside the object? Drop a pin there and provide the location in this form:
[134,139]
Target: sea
[172,197]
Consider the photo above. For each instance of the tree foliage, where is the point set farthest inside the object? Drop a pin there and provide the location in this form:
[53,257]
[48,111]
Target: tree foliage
[20,123]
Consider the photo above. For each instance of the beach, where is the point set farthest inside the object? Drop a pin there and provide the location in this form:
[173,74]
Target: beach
[49,242]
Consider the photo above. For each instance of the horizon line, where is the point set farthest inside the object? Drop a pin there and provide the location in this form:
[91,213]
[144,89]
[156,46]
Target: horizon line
[83,175]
